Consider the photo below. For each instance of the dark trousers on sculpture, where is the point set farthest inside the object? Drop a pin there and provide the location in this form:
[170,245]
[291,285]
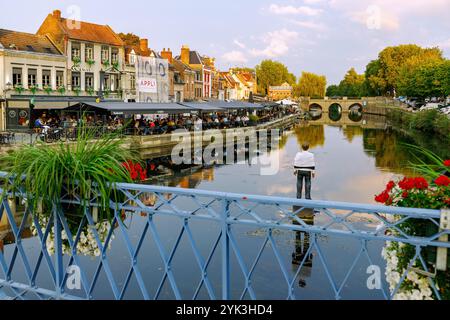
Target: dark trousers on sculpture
[304,178]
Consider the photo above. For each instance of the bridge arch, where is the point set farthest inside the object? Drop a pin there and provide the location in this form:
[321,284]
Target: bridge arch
[315,111]
[335,112]
[356,107]
[315,107]
[355,112]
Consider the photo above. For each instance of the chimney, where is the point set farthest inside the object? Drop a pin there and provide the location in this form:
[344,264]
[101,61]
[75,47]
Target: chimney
[185,54]
[57,14]
[143,45]
[167,54]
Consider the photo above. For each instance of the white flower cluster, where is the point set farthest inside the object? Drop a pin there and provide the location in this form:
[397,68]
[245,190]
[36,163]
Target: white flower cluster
[87,245]
[418,285]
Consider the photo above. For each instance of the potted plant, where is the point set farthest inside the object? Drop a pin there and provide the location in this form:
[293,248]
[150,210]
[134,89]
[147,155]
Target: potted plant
[77,90]
[253,120]
[90,62]
[106,92]
[33,89]
[90,91]
[73,173]
[115,65]
[431,190]
[76,61]
[61,90]
[48,90]
[105,63]
[19,89]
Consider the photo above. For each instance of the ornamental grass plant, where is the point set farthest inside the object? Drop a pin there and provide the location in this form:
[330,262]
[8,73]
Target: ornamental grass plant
[46,173]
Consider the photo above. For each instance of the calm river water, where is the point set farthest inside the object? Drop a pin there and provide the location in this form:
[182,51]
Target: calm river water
[355,160]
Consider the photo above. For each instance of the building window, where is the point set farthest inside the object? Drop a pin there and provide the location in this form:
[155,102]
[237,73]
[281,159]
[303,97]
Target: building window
[89,80]
[133,82]
[32,77]
[59,79]
[76,80]
[89,53]
[132,59]
[17,77]
[46,75]
[114,55]
[76,51]
[107,83]
[105,53]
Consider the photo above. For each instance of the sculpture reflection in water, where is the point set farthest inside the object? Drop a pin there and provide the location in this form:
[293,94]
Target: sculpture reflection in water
[302,257]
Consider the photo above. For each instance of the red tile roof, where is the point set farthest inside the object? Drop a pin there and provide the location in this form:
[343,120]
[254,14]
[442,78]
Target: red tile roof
[27,42]
[85,31]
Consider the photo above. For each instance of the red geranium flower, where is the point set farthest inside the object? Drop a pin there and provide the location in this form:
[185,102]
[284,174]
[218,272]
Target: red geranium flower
[443,181]
[390,186]
[383,197]
[447,163]
[421,183]
[406,184]
[405,194]
[447,201]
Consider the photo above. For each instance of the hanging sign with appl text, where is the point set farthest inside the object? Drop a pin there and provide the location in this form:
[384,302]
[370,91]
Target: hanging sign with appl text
[148,85]
[152,80]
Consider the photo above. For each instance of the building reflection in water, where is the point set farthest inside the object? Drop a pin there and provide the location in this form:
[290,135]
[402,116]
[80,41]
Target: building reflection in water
[302,250]
[6,234]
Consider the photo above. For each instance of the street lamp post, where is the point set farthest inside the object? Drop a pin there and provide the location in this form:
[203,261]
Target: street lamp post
[8,87]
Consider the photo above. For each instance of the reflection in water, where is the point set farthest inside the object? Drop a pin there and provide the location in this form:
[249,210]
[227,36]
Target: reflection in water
[351,132]
[335,112]
[355,116]
[302,257]
[314,135]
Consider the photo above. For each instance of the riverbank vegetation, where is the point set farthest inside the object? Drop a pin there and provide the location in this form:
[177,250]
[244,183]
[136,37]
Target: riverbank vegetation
[430,122]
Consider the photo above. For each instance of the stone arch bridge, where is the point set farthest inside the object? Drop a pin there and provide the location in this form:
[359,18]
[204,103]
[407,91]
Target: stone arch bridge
[333,105]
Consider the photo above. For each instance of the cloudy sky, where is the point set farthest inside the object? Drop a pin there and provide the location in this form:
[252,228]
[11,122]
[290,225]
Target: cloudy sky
[322,36]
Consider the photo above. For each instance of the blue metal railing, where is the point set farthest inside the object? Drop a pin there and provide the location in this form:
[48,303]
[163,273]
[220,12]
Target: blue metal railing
[60,242]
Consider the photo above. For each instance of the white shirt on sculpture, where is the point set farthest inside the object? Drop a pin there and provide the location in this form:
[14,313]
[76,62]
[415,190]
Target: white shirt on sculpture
[305,161]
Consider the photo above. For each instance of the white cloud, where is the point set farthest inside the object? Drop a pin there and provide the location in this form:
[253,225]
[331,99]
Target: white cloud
[277,43]
[239,44]
[313,1]
[309,25]
[390,16]
[376,18]
[291,10]
[235,57]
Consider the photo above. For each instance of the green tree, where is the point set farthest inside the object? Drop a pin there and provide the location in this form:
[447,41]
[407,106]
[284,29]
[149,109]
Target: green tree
[272,73]
[130,39]
[352,85]
[333,91]
[431,79]
[384,75]
[311,85]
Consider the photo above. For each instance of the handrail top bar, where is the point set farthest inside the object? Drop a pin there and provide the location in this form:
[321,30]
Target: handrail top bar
[284,200]
[313,204]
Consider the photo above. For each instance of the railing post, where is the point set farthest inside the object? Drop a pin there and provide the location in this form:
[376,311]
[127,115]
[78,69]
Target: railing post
[59,267]
[225,250]
[441,263]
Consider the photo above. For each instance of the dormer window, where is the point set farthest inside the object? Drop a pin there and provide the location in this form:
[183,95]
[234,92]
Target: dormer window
[132,58]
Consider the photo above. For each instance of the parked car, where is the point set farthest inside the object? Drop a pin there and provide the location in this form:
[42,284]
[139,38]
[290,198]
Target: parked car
[416,103]
[430,106]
